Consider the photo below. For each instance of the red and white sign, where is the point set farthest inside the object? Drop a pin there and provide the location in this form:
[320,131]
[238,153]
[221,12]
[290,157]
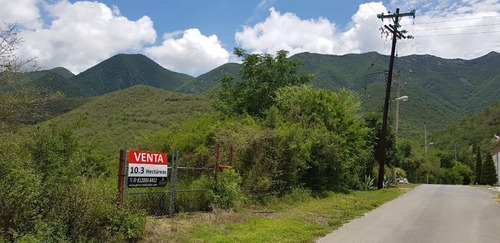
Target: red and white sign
[147,164]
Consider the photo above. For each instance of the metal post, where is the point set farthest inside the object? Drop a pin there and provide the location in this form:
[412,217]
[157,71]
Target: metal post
[397,104]
[425,139]
[173,183]
[121,175]
[125,177]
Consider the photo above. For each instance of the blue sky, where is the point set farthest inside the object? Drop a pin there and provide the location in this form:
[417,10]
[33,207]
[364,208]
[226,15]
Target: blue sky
[195,36]
[224,17]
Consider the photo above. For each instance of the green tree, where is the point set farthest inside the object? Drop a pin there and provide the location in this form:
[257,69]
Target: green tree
[465,171]
[262,76]
[329,135]
[490,176]
[479,166]
[374,122]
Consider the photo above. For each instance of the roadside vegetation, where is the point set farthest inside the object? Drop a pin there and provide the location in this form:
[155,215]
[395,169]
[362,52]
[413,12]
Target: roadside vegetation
[304,159]
[295,217]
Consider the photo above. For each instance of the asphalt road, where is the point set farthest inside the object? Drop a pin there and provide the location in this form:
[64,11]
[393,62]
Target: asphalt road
[428,213]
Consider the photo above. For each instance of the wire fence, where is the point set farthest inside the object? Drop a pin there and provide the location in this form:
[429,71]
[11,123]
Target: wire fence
[188,189]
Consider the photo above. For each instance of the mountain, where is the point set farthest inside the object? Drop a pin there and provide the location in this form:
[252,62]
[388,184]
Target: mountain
[208,81]
[65,73]
[126,70]
[441,90]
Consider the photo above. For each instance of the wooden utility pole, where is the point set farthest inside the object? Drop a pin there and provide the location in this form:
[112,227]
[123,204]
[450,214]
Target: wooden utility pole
[396,34]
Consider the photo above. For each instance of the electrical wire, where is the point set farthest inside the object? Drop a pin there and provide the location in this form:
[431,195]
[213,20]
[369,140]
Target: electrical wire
[409,5]
[456,20]
[457,27]
[371,7]
[389,4]
[458,34]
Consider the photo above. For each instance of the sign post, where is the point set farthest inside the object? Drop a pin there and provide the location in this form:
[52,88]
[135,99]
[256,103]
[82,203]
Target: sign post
[147,169]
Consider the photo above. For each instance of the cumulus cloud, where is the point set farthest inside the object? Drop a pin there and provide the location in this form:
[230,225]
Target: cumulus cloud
[189,51]
[82,34]
[22,12]
[444,28]
[289,32]
[451,29]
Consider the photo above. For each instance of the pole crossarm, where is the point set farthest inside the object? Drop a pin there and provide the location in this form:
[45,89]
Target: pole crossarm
[397,15]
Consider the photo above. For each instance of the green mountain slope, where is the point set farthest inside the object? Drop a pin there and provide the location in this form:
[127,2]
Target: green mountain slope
[116,120]
[441,91]
[208,81]
[65,73]
[125,70]
[474,129]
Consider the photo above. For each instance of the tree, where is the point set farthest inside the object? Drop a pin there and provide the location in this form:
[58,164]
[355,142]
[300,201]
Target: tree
[324,129]
[262,76]
[374,122]
[19,101]
[490,176]
[479,166]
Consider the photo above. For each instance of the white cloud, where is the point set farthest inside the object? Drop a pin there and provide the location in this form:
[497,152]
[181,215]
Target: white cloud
[453,39]
[454,29]
[289,32]
[83,34]
[192,53]
[363,34]
[22,12]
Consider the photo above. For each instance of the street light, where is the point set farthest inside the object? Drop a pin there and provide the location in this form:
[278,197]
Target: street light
[397,100]
[402,98]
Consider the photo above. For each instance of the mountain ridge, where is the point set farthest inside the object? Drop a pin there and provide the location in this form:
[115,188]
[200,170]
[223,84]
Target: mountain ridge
[441,90]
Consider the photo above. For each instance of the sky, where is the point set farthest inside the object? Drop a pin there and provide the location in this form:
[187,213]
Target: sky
[195,36]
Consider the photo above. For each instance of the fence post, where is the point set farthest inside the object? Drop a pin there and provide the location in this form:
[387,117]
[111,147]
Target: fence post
[173,183]
[121,176]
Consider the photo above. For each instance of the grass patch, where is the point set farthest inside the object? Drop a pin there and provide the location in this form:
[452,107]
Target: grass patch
[284,221]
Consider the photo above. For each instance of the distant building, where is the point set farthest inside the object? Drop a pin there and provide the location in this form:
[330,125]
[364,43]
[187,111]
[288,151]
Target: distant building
[495,152]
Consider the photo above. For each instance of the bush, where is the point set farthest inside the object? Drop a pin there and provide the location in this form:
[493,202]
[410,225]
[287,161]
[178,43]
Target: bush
[195,201]
[228,193]
[58,195]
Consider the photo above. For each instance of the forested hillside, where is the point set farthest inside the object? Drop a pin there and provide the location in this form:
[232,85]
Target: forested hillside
[477,129]
[121,118]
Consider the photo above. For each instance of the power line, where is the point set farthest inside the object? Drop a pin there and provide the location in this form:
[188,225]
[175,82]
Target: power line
[457,27]
[388,3]
[371,7]
[457,20]
[376,58]
[409,5]
[457,34]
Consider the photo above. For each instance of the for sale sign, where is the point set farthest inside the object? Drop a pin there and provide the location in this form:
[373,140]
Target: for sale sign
[147,169]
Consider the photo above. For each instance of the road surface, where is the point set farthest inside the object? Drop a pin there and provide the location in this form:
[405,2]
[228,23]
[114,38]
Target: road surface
[428,213]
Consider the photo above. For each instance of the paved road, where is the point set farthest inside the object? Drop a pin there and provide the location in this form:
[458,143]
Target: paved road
[428,213]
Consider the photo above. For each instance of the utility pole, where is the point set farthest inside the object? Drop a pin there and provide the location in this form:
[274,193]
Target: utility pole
[396,34]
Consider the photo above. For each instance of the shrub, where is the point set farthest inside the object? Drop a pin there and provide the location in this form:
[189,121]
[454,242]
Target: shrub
[228,193]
